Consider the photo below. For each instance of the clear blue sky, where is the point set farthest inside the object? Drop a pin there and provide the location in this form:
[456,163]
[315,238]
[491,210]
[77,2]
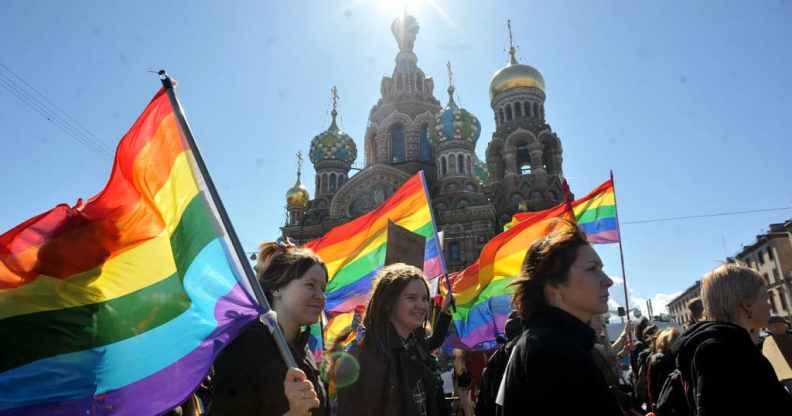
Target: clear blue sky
[688,103]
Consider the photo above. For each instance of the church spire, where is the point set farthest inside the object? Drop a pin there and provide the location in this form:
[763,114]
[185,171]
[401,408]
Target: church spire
[512,49]
[451,88]
[334,112]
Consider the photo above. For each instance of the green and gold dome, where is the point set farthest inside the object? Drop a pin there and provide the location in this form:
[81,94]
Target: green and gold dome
[333,143]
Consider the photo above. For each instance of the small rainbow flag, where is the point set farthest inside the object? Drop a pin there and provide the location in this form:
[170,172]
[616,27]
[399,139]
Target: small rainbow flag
[120,304]
[354,252]
[481,291]
[595,214]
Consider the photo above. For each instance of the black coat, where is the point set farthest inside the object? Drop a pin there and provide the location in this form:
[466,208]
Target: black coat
[728,373]
[388,383]
[249,375]
[551,370]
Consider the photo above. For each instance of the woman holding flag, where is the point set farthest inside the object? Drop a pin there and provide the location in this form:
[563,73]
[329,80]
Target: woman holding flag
[250,376]
[389,365]
[551,369]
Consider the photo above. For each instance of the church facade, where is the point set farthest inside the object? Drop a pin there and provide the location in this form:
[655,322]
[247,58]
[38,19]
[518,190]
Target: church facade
[410,130]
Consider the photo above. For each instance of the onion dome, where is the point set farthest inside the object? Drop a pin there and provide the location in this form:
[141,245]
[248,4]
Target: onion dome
[333,143]
[454,123]
[515,75]
[297,195]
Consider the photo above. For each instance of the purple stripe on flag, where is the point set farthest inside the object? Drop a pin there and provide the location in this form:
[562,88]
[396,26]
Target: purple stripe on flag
[168,387]
[604,237]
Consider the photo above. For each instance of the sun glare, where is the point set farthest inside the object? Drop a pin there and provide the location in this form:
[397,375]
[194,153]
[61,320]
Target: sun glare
[396,7]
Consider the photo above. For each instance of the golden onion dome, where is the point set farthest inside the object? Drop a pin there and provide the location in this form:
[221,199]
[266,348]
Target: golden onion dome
[515,75]
[297,195]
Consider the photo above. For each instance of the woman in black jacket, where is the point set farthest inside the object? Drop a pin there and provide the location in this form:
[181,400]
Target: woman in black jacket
[726,373]
[551,369]
[250,375]
[389,373]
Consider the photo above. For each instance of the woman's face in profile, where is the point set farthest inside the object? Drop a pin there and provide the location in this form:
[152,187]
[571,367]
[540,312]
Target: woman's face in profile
[585,293]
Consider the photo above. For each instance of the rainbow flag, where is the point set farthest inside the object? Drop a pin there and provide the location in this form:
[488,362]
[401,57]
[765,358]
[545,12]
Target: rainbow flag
[120,304]
[481,291]
[354,252]
[595,214]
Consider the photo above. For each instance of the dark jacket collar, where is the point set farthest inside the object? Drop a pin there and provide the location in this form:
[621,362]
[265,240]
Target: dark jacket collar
[554,320]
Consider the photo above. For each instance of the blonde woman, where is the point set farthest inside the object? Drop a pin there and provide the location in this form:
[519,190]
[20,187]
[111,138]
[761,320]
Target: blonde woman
[725,371]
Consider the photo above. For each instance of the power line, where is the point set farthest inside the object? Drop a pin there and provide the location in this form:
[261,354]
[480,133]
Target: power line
[720,214]
[42,105]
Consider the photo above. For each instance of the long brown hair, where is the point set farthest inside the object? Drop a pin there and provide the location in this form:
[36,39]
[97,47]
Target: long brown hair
[278,264]
[547,263]
[389,283]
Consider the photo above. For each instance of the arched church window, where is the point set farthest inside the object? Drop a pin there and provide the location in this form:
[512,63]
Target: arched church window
[461,163]
[518,110]
[524,160]
[508,112]
[425,147]
[452,164]
[536,110]
[445,165]
[541,111]
[318,183]
[324,182]
[397,143]
[332,182]
[502,117]
[527,108]
[469,166]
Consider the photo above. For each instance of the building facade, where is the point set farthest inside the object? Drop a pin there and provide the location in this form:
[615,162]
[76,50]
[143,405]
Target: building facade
[677,307]
[771,256]
[410,130]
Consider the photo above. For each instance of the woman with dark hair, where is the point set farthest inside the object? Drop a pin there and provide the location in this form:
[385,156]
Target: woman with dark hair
[250,375]
[390,365]
[551,369]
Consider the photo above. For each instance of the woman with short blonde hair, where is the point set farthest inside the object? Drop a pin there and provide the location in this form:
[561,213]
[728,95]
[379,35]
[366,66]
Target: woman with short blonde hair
[724,289]
[725,372]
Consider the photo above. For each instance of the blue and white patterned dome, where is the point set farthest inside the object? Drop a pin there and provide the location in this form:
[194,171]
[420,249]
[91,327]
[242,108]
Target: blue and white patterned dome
[333,144]
[454,123]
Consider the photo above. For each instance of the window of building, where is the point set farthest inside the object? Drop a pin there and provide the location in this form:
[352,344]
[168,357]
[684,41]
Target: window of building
[461,163]
[527,108]
[419,82]
[426,147]
[452,164]
[773,303]
[444,165]
[332,182]
[536,110]
[397,143]
[770,253]
[524,160]
[508,112]
[518,110]
[469,166]
[760,257]
[453,251]
[502,117]
[783,299]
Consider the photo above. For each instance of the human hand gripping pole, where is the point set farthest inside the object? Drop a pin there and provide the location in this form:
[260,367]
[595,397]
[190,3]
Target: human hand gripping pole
[268,316]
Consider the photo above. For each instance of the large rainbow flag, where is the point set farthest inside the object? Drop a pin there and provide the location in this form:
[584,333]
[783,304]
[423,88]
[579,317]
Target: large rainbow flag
[595,214]
[355,251]
[481,291]
[120,304]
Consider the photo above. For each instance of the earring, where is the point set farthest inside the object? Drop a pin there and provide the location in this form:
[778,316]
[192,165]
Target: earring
[558,299]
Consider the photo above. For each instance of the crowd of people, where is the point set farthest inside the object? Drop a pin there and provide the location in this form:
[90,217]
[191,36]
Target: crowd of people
[556,357]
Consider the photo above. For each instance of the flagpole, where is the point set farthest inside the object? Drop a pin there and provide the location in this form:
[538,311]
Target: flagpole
[621,257]
[268,316]
[440,246]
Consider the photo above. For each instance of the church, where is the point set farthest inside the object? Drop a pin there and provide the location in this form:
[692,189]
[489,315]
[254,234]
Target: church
[410,130]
